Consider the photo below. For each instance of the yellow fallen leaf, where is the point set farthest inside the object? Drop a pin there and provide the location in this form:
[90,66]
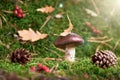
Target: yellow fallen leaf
[46,9]
[31,35]
[68,30]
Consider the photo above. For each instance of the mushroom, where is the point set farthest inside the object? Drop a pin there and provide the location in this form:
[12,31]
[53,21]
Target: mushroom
[68,43]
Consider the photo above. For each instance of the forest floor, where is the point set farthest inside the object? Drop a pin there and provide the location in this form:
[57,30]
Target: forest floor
[43,51]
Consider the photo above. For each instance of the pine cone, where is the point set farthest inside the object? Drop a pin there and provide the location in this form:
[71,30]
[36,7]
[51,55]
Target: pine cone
[104,58]
[21,56]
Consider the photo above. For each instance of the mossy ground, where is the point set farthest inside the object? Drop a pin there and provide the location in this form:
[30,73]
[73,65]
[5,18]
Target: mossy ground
[109,25]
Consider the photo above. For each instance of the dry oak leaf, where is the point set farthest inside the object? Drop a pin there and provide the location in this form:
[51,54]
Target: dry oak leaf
[69,29]
[31,35]
[46,9]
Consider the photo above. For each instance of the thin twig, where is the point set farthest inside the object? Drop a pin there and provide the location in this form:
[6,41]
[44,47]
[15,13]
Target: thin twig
[33,54]
[54,67]
[98,47]
[95,6]
[56,59]
[99,38]
[20,1]
[107,45]
[0,22]
[6,11]
[52,51]
[104,42]
[61,50]
[4,19]
[47,58]
[7,46]
[96,41]
[45,22]
[116,45]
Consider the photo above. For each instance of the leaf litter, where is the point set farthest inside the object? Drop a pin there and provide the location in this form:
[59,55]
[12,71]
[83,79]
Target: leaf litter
[46,9]
[69,29]
[31,35]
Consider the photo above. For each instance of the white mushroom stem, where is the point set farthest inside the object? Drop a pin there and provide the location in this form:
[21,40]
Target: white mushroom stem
[70,53]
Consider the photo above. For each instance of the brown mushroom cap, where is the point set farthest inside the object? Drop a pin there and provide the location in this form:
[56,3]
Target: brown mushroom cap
[71,39]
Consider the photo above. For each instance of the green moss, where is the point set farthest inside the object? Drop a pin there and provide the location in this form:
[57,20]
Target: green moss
[109,25]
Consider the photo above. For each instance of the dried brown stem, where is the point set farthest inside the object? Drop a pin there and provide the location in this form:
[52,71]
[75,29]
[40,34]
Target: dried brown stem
[52,51]
[98,47]
[7,46]
[33,54]
[0,22]
[104,42]
[56,59]
[116,45]
[20,1]
[97,41]
[99,38]
[107,45]
[61,50]
[45,22]
[6,11]
[54,68]
[4,19]
[95,6]
[47,58]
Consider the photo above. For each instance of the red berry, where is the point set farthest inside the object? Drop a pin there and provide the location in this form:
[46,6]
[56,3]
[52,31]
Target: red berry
[39,65]
[16,7]
[20,10]
[46,69]
[92,28]
[32,68]
[19,15]
[98,32]
[23,15]
[15,12]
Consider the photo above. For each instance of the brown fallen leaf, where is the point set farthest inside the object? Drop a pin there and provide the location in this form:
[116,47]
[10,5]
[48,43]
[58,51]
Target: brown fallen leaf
[46,9]
[31,35]
[69,29]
